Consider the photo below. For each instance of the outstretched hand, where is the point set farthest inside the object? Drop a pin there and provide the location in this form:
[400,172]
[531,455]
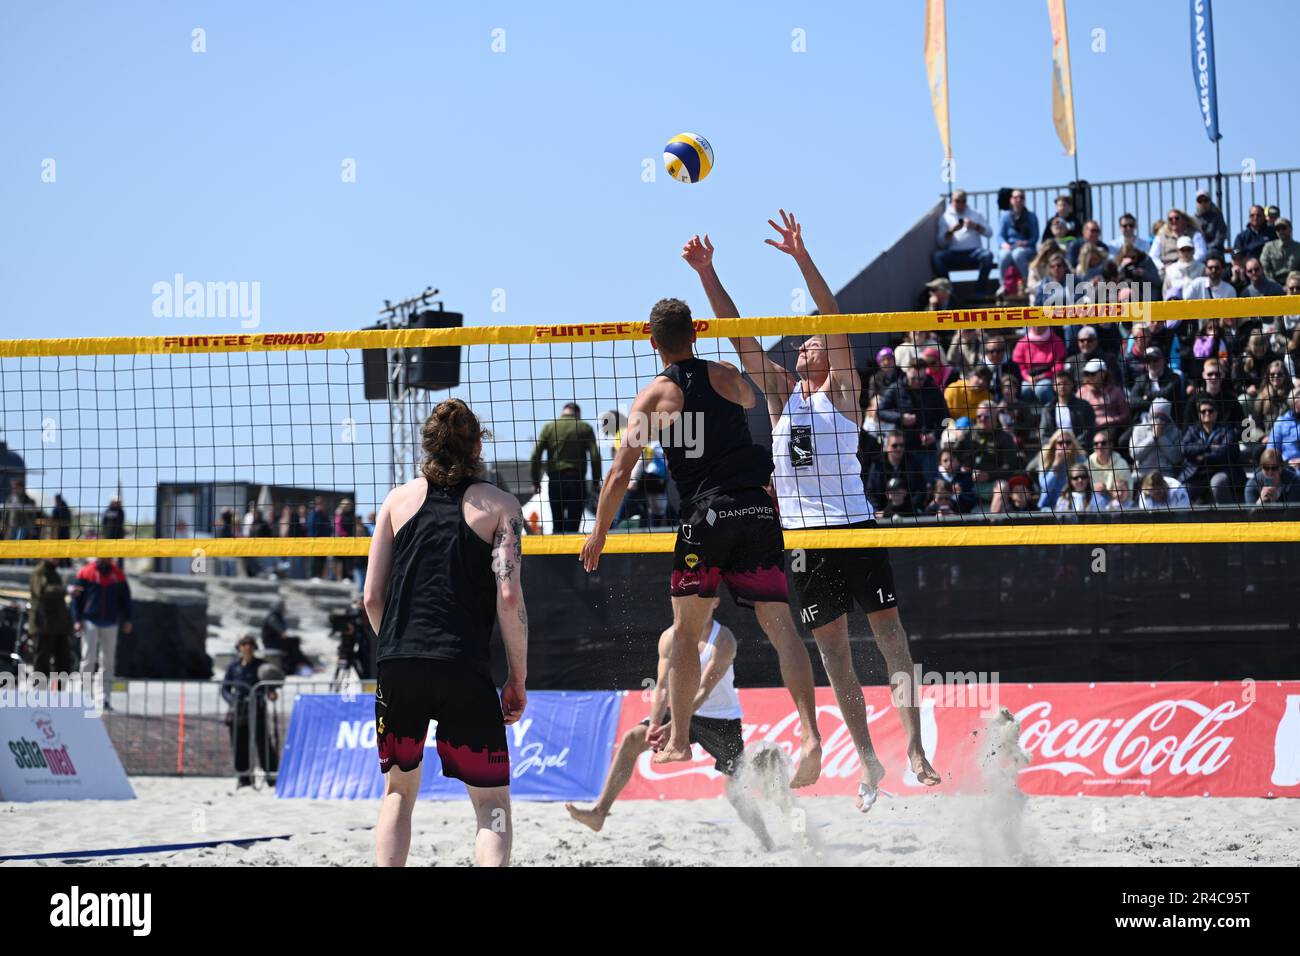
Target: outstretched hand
[791,235]
[698,252]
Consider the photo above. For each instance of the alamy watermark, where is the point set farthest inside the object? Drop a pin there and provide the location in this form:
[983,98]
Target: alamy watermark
[41,691]
[179,299]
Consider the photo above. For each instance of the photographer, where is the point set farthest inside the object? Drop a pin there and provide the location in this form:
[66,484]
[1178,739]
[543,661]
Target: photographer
[275,637]
[356,641]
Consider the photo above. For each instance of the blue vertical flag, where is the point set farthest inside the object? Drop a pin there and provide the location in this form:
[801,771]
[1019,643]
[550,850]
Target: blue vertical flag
[1203,66]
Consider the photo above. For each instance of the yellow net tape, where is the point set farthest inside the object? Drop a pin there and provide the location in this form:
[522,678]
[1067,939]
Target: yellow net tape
[1013,317]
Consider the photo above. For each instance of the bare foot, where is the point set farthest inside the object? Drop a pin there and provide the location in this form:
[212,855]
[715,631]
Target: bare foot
[924,772]
[873,771]
[810,764]
[671,754]
[590,818]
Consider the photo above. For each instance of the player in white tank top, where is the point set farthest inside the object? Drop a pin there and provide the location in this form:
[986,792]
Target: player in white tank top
[714,725]
[815,421]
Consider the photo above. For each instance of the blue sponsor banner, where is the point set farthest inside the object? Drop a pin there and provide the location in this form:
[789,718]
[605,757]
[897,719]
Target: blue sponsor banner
[1207,96]
[559,750]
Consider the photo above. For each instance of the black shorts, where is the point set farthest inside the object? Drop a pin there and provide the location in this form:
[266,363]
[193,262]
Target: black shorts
[721,739]
[828,581]
[734,538]
[471,733]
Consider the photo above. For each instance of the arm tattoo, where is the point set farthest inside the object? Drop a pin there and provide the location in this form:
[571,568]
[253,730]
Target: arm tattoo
[500,563]
[517,532]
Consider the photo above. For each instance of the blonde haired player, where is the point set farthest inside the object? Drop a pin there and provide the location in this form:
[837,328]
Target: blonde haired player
[815,423]
[715,726]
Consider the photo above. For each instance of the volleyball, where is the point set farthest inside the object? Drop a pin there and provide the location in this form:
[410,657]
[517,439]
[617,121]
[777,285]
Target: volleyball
[688,157]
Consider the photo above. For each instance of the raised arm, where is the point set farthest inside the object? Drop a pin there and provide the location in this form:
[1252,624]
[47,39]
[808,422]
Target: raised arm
[651,405]
[772,380]
[844,372]
[512,615]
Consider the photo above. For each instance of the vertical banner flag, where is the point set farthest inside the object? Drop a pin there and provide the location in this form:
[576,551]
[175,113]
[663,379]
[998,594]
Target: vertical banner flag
[1062,94]
[1202,12]
[936,68]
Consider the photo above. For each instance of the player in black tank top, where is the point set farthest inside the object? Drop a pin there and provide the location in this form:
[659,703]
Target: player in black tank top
[729,531]
[436,585]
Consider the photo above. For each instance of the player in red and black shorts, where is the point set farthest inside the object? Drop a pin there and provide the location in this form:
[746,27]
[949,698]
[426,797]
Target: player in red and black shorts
[471,734]
[729,533]
[731,537]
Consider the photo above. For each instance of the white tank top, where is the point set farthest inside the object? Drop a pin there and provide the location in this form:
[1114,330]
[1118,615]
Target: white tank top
[816,470]
[723,703]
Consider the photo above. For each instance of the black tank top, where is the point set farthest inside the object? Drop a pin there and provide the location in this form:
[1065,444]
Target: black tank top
[441,600]
[727,458]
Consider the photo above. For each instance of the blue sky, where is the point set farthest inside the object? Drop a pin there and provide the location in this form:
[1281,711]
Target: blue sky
[521,170]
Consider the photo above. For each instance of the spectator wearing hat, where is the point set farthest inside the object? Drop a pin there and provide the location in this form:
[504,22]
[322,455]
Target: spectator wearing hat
[963,396]
[938,295]
[1273,483]
[885,375]
[959,236]
[1156,442]
[1067,412]
[1160,493]
[1017,239]
[899,502]
[1211,285]
[1088,342]
[1281,256]
[1210,458]
[1164,245]
[1128,235]
[1183,270]
[237,689]
[1065,214]
[1250,242]
[1108,401]
[1284,437]
[1213,225]
[897,469]
[936,368]
[914,407]
[1157,381]
[1019,497]
[1039,355]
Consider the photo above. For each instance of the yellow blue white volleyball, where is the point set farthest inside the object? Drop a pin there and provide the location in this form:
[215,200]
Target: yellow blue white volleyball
[688,157]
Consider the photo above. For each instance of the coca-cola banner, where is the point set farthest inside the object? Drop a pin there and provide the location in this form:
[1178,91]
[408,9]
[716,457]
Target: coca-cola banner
[1223,739]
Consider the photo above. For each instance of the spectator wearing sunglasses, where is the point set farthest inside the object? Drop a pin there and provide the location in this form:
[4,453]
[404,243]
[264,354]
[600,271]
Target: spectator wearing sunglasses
[1210,458]
[1281,256]
[1273,483]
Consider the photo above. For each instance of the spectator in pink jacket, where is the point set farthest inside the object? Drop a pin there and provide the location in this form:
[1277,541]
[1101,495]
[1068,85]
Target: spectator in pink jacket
[1108,400]
[1039,356]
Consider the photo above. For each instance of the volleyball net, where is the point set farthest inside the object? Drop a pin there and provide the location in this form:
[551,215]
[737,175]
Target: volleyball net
[264,444]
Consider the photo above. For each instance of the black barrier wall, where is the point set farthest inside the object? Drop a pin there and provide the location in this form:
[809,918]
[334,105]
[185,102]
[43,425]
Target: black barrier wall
[1118,613]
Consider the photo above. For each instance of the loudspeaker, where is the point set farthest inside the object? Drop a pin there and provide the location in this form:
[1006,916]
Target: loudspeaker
[434,368]
[374,370]
[1081,196]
